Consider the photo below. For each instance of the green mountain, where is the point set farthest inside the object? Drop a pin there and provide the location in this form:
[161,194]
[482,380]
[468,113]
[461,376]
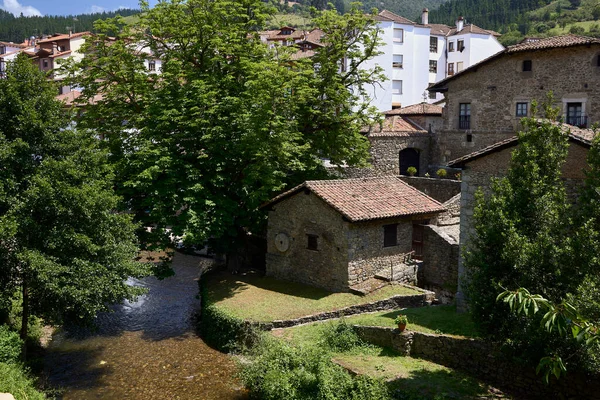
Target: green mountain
[17,29]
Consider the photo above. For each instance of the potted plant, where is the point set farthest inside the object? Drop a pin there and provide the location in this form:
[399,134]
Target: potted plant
[412,171]
[401,320]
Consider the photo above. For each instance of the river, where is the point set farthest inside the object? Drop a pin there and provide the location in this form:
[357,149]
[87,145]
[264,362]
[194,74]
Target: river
[146,349]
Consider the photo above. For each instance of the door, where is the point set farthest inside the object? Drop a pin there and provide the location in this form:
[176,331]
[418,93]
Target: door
[575,114]
[408,158]
[417,240]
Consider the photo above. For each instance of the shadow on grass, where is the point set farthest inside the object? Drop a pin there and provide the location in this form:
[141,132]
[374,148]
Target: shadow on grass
[223,285]
[438,385]
[440,319]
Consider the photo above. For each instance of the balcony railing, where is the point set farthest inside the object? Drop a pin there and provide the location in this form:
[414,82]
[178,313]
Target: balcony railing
[433,48]
[580,121]
[464,122]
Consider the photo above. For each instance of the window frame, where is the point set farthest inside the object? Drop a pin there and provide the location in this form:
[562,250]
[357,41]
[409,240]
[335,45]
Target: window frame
[390,235]
[460,45]
[396,64]
[396,39]
[464,116]
[451,46]
[151,65]
[434,64]
[433,47]
[450,69]
[401,87]
[519,109]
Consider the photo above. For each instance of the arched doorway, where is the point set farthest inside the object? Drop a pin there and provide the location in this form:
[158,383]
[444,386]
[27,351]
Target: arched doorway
[409,158]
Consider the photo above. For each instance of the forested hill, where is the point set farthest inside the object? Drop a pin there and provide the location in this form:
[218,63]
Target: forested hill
[16,29]
[488,14]
[410,9]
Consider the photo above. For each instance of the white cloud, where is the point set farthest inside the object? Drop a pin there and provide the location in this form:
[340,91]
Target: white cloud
[97,9]
[13,6]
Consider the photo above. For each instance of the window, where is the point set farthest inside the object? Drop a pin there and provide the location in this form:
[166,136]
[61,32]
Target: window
[450,69]
[396,87]
[460,45]
[575,115]
[398,35]
[450,47]
[45,63]
[151,65]
[464,116]
[312,242]
[2,49]
[469,137]
[459,66]
[397,61]
[527,65]
[390,235]
[432,95]
[521,110]
[433,66]
[433,44]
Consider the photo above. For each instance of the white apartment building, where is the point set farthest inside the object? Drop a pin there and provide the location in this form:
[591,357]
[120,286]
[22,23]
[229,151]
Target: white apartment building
[417,55]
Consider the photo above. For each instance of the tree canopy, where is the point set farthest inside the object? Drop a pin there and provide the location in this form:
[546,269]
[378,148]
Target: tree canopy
[62,245]
[229,121]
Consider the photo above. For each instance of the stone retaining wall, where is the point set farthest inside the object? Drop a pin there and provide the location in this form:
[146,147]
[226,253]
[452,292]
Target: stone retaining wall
[392,303]
[440,189]
[482,360]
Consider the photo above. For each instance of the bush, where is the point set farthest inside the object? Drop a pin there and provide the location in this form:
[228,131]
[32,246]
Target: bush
[577,30]
[10,345]
[341,337]
[412,171]
[442,173]
[279,370]
[14,380]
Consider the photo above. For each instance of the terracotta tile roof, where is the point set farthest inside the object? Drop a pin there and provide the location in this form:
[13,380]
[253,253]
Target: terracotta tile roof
[300,54]
[63,53]
[11,44]
[583,136]
[472,28]
[63,36]
[386,15]
[315,35]
[70,97]
[439,29]
[368,199]
[395,126]
[552,43]
[416,109]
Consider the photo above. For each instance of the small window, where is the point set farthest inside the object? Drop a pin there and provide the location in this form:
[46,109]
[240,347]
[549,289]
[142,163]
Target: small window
[398,35]
[390,235]
[464,116]
[151,65]
[45,63]
[396,87]
[450,47]
[433,45]
[433,66]
[598,60]
[460,45]
[432,95]
[527,66]
[469,137]
[450,69]
[312,242]
[459,66]
[397,61]
[521,110]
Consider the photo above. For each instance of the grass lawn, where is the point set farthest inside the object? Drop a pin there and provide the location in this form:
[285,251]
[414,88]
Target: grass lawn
[433,319]
[412,378]
[265,299]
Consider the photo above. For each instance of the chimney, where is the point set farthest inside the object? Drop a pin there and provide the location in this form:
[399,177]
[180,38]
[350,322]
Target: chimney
[425,17]
[70,32]
[460,23]
[54,48]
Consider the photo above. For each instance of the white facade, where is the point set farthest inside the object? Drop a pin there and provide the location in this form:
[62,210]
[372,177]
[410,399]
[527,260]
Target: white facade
[428,53]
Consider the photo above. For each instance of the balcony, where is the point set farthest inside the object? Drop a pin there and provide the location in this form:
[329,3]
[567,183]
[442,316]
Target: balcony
[579,121]
[464,122]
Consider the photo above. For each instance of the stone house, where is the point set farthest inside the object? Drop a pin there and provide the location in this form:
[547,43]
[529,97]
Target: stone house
[479,167]
[336,234]
[485,102]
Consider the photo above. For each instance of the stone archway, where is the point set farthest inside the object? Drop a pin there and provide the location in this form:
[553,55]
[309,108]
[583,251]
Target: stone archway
[409,158]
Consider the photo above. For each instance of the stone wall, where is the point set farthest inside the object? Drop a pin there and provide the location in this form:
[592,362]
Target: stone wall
[441,190]
[482,360]
[298,216]
[439,272]
[494,89]
[478,174]
[366,253]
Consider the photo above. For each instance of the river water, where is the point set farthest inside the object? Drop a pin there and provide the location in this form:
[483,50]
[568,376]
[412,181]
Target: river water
[145,350]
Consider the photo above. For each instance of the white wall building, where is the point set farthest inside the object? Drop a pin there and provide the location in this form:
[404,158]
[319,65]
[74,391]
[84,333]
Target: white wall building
[417,55]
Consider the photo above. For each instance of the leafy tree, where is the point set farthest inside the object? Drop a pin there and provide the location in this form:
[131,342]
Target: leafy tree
[229,122]
[62,246]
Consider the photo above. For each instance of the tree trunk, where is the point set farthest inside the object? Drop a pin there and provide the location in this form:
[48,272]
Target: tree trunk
[25,319]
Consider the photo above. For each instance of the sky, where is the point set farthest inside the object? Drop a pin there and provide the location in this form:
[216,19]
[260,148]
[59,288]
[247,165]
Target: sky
[65,7]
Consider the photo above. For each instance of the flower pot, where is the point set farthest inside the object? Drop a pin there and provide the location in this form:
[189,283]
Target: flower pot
[401,327]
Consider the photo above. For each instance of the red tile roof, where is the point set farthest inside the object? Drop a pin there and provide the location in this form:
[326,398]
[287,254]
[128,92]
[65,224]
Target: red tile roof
[583,136]
[368,199]
[416,109]
[63,36]
[386,15]
[17,45]
[395,126]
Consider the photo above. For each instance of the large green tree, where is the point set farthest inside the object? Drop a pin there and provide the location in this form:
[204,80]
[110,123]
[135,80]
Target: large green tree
[62,245]
[229,121]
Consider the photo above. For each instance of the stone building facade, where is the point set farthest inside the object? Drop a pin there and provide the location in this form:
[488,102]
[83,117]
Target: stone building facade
[338,233]
[480,167]
[485,102]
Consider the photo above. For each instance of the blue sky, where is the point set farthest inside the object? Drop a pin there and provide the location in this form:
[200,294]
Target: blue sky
[65,7]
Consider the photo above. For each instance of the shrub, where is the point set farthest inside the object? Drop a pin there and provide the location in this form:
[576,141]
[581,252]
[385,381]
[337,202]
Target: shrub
[341,337]
[14,380]
[442,173]
[412,171]
[279,370]
[10,345]
[577,30]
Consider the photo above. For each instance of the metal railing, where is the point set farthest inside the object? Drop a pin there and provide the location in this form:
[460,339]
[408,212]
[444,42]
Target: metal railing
[464,122]
[580,121]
